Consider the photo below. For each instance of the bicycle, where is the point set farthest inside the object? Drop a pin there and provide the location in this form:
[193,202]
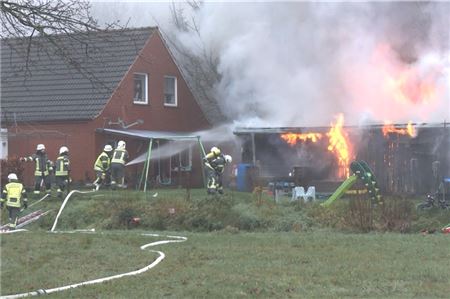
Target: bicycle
[432,202]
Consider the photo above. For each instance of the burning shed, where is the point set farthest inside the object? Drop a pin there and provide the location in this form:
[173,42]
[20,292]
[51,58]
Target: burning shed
[406,158]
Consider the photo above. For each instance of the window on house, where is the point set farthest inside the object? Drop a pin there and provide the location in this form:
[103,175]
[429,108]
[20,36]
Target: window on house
[170,91]
[140,89]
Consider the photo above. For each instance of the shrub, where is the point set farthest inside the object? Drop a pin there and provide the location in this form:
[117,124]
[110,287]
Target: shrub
[395,214]
[8,166]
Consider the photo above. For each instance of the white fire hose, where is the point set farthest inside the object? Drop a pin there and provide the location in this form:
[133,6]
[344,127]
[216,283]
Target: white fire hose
[64,204]
[174,239]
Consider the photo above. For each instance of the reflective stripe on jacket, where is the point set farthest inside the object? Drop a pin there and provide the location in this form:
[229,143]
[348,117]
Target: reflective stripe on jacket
[13,194]
[62,166]
[43,164]
[120,156]
[218,164]
[102,162]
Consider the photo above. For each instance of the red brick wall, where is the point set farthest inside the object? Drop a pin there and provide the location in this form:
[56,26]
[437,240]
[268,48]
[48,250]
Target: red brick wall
[156,61]
[85,144]
[77,136]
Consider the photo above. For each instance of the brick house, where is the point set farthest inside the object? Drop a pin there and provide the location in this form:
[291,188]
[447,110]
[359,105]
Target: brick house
[115,82]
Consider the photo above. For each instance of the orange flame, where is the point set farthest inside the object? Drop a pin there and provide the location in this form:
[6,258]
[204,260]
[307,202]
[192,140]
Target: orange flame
[408,87]
[293,138]
[340,146]
[390,128]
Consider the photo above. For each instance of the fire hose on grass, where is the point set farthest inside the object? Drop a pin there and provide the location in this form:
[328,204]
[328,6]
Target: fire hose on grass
[161,256]
[34,203]
[29,218]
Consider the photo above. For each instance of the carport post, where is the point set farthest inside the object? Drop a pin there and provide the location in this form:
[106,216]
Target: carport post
[147,165]
[202,154]
[253,149]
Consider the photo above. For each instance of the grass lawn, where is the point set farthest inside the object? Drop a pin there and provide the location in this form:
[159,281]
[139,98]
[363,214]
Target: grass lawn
[230,264]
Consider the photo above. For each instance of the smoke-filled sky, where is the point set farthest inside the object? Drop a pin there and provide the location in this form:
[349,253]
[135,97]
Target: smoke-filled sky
[302,63]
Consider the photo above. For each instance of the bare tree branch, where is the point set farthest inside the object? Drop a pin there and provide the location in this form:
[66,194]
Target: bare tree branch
[200,66]
[45,24]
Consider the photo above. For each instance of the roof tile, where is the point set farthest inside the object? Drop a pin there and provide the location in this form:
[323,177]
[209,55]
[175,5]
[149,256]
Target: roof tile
[53,88]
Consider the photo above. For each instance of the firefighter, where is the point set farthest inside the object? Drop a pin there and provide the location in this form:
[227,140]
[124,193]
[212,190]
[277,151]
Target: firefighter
[44,167]
[102,166]
[215,165]
[15,196]
[118,160]
[62,171]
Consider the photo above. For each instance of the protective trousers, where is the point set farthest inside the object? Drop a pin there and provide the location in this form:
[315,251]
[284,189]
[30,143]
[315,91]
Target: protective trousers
[38,179]
[102,178]
[117,175]
[61,182]
[13,215]
[214,182]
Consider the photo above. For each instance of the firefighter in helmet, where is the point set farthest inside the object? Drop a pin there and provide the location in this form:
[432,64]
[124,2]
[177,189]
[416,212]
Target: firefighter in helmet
[215,165]
[102,166]
[118,160]
[44,167]
[15,196]
[62,170]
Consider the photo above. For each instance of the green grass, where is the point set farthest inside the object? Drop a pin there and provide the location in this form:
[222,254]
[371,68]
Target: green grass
[195,211]
[319,264]
[239,246]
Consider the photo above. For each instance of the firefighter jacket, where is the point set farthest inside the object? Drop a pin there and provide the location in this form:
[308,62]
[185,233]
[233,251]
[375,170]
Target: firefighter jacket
[62,165]
[43,165]
[102,163]
[14,194]
[119,156]
[216,163]
[210,156]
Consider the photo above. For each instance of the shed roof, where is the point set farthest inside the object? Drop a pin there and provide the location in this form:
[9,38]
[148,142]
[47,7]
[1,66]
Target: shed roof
[305,129]
[144,134]
[44,86]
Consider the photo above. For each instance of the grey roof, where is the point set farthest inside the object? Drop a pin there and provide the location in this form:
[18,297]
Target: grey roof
[50,87]
[279,130]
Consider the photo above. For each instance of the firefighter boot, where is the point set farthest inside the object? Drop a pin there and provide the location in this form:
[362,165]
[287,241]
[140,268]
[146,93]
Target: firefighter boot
[220,190]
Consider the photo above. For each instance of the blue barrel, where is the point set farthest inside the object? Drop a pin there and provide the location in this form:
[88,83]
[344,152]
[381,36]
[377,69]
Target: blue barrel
[241,177]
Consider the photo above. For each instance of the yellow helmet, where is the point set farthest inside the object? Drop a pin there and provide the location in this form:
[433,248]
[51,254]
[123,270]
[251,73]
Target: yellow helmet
[215,150]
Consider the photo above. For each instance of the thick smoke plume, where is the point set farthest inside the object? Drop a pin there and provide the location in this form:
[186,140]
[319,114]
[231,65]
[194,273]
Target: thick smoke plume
[302,63]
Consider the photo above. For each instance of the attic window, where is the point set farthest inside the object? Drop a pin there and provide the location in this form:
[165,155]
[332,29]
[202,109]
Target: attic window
[170,91]
[140,89]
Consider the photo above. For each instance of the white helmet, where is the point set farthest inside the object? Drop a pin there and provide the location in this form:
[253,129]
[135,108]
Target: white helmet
[121,144]
[215,150]
[228,159]
[108,148]
[63,149]
[40,147]
[12,176]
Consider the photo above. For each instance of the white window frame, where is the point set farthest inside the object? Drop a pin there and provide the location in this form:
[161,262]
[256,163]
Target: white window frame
[145,100]
[176,92]
[3,144]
